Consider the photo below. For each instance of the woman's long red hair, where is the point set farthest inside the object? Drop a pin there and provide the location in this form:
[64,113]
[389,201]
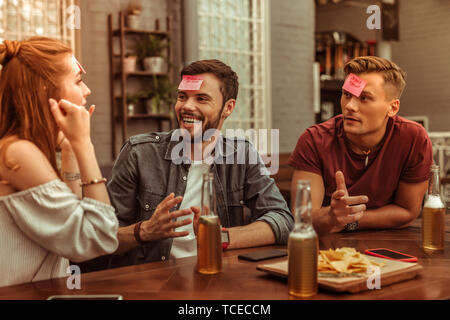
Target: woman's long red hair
[32,71]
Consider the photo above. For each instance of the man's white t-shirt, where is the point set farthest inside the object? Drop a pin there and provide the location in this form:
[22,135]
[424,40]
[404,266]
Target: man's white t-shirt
[187,246]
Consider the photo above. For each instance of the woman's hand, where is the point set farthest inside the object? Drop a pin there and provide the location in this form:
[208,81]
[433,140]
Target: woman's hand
[73,120]
[63,143]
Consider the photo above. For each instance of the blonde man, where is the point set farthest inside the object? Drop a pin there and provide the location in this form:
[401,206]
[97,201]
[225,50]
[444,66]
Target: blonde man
[368,167]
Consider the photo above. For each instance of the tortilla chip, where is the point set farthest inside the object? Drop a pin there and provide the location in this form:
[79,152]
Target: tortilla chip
[345,261]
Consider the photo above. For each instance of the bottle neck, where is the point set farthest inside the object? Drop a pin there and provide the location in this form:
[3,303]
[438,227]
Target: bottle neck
[208,195]
[303,218]
[434,185]
[302,213]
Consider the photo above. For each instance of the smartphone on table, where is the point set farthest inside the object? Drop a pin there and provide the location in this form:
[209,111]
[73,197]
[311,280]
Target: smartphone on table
[391,254]
[263,255]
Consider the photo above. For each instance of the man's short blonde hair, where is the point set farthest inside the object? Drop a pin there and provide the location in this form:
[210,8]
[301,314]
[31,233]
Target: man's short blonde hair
[394,77]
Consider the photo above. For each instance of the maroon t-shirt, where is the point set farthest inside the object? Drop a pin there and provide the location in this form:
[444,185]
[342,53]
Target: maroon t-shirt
[405,155]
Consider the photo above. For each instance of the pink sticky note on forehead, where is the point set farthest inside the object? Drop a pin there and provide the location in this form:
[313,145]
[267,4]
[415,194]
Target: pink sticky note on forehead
[78,64]
[190,83]
[354,84]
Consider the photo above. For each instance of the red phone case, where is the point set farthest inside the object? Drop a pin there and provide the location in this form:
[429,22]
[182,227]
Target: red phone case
[410,259]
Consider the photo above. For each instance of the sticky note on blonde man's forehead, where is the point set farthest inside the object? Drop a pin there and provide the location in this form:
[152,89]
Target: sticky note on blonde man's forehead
[354,84]
[78,64]
[191,83]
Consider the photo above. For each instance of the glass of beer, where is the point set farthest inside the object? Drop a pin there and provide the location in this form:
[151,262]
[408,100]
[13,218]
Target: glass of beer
[303,246]
[433,215]
[209,241]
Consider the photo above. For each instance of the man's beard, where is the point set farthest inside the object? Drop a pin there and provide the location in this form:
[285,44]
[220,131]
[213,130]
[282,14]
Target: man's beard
[209,125]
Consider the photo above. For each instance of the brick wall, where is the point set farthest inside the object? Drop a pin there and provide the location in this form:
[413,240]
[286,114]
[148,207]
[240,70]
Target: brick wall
[423,52]
[95,59]
[292,56]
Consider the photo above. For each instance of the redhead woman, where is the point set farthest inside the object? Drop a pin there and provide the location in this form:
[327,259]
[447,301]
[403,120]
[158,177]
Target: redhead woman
[48,215]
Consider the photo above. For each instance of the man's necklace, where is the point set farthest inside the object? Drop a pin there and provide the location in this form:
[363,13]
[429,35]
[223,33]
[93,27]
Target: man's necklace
[366,152]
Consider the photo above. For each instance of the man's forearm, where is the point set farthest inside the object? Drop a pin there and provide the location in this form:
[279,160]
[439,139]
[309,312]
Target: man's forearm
[323,222]
[256,234]
[126,239]
[389,216]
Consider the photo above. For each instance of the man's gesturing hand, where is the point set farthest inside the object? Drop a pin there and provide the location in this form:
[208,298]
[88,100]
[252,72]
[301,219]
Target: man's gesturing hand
[162,223]
[196,211]
[343,208]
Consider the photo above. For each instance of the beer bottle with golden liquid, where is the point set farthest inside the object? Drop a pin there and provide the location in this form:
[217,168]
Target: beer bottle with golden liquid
[303,246]
[209,241]
[433,215]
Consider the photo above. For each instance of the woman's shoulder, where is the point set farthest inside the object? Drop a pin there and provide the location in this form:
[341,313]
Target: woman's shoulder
[16,149]
[17,142]
[23,164]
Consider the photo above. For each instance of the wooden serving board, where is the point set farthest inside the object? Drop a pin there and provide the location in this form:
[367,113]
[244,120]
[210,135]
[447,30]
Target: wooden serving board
[393,271]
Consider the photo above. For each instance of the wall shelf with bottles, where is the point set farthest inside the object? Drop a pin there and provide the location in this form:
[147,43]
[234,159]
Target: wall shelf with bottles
[132,89]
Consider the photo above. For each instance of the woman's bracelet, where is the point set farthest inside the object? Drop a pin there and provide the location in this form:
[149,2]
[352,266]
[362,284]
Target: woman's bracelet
[95,181]
[71,176]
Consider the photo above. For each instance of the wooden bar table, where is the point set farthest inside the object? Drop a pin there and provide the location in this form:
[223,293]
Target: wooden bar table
[240,280]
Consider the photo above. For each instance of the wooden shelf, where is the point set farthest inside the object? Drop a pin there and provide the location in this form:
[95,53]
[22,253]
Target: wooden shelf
[129,31]
[139,73]
[119,80]
[161,116]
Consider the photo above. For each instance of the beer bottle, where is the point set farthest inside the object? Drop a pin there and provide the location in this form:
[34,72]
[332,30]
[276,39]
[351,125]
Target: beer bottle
[303,246]
[209,241]
[433,215]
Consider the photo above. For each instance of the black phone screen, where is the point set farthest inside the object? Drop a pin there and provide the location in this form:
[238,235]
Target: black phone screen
[390,254]
[263,255]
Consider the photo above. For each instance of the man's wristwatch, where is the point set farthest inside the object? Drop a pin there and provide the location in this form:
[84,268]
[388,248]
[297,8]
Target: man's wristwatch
[352,226]
[225,238]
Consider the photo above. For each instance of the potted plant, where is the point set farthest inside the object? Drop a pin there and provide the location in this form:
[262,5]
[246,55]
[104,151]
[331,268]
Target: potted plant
[132,103]
[134,11]
[159,96]
[129,63]
[150,51]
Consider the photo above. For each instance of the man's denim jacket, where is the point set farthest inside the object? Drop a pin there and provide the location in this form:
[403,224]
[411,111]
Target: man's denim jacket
[144,174]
